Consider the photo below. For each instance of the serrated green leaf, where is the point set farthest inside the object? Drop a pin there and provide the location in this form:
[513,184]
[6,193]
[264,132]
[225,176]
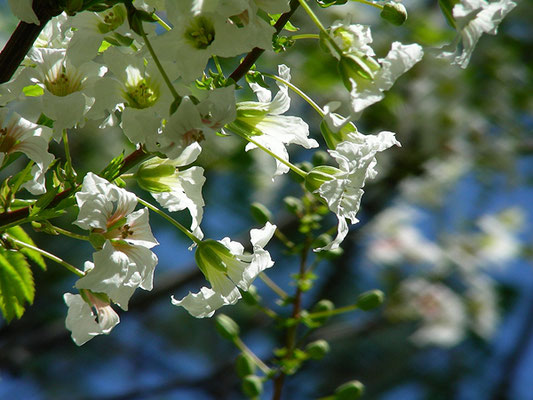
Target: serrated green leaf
[16,284]
[18,233]
[113,168]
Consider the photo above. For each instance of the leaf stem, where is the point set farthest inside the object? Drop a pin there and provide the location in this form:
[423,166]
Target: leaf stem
[161,22]
[170,219]
[317,22]
[175,94]
[293,167]
[370,3]
[305,36]
[69,234]
[46,254]
[340,310]
[245,349]
[298,92]
[272,285]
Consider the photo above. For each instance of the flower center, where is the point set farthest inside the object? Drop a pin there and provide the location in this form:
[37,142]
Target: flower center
[143,94]
[194,135]
[62,82]
[126,231]
[6,141]
[200,33]
[112,19]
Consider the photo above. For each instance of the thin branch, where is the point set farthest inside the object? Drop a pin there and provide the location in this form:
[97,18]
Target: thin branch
[23,38]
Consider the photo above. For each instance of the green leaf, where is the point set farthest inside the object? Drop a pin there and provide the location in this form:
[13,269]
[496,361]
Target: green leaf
[112,170]
[16,284]
[18,233]
[288,26]
[33,91]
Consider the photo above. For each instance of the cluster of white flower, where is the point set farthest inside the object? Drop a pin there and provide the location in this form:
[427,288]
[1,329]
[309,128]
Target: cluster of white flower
[107,68]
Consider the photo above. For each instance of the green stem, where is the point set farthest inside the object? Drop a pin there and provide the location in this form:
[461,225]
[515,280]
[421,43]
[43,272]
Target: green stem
[161,22]
[170,219]
[69,168]
[52,257]
[177,97]
[127,176]
[305,36]
[69,234]
[272,285]
[284,239]
[281,160]
[298,92]
[317,22]
[245,349]
[336,311]
[217,64]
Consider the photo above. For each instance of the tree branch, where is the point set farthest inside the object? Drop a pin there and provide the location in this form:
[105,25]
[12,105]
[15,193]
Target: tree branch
[23,38]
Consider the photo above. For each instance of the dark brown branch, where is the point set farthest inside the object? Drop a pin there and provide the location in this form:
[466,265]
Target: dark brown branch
[253,55]
[23,37]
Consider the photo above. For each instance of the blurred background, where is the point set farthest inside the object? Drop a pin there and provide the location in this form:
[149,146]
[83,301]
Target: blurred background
[446,232]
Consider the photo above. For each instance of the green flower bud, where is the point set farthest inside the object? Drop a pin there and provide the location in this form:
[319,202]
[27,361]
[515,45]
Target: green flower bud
[260,213]
[319,175]
[250,297]
[334,138]
[395,13]
[97,240]
[151,173]
[322,306]
[245,365]
[349,391]
[370,300]
[317,349]
[293,204]
[352,66]
[212,254]
[320,157]
[227,327]
[252,386]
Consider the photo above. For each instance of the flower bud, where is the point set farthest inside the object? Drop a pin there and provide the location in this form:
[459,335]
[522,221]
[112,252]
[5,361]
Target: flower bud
[227,327]
[260,213]
[322,306]
[353,67]
[245,365]
[395,13]
[212,254]
[334,138]
[319,175]
[250,296]
[320,157]
[370,300]
[349,391]
[317,349]
[252,386]
[151,175]
[293,205]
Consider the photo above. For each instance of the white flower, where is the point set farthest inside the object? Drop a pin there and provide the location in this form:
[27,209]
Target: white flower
[91,28]
[443,314]
[365,77]
[262,121]
[20,135]
[65,89]
[482,303]
[23,10]
[203,29]
[125,261]
[228,269]
[396,239]
[86,323]
[473,18]
[400,59]
[342,187]
[174,188]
